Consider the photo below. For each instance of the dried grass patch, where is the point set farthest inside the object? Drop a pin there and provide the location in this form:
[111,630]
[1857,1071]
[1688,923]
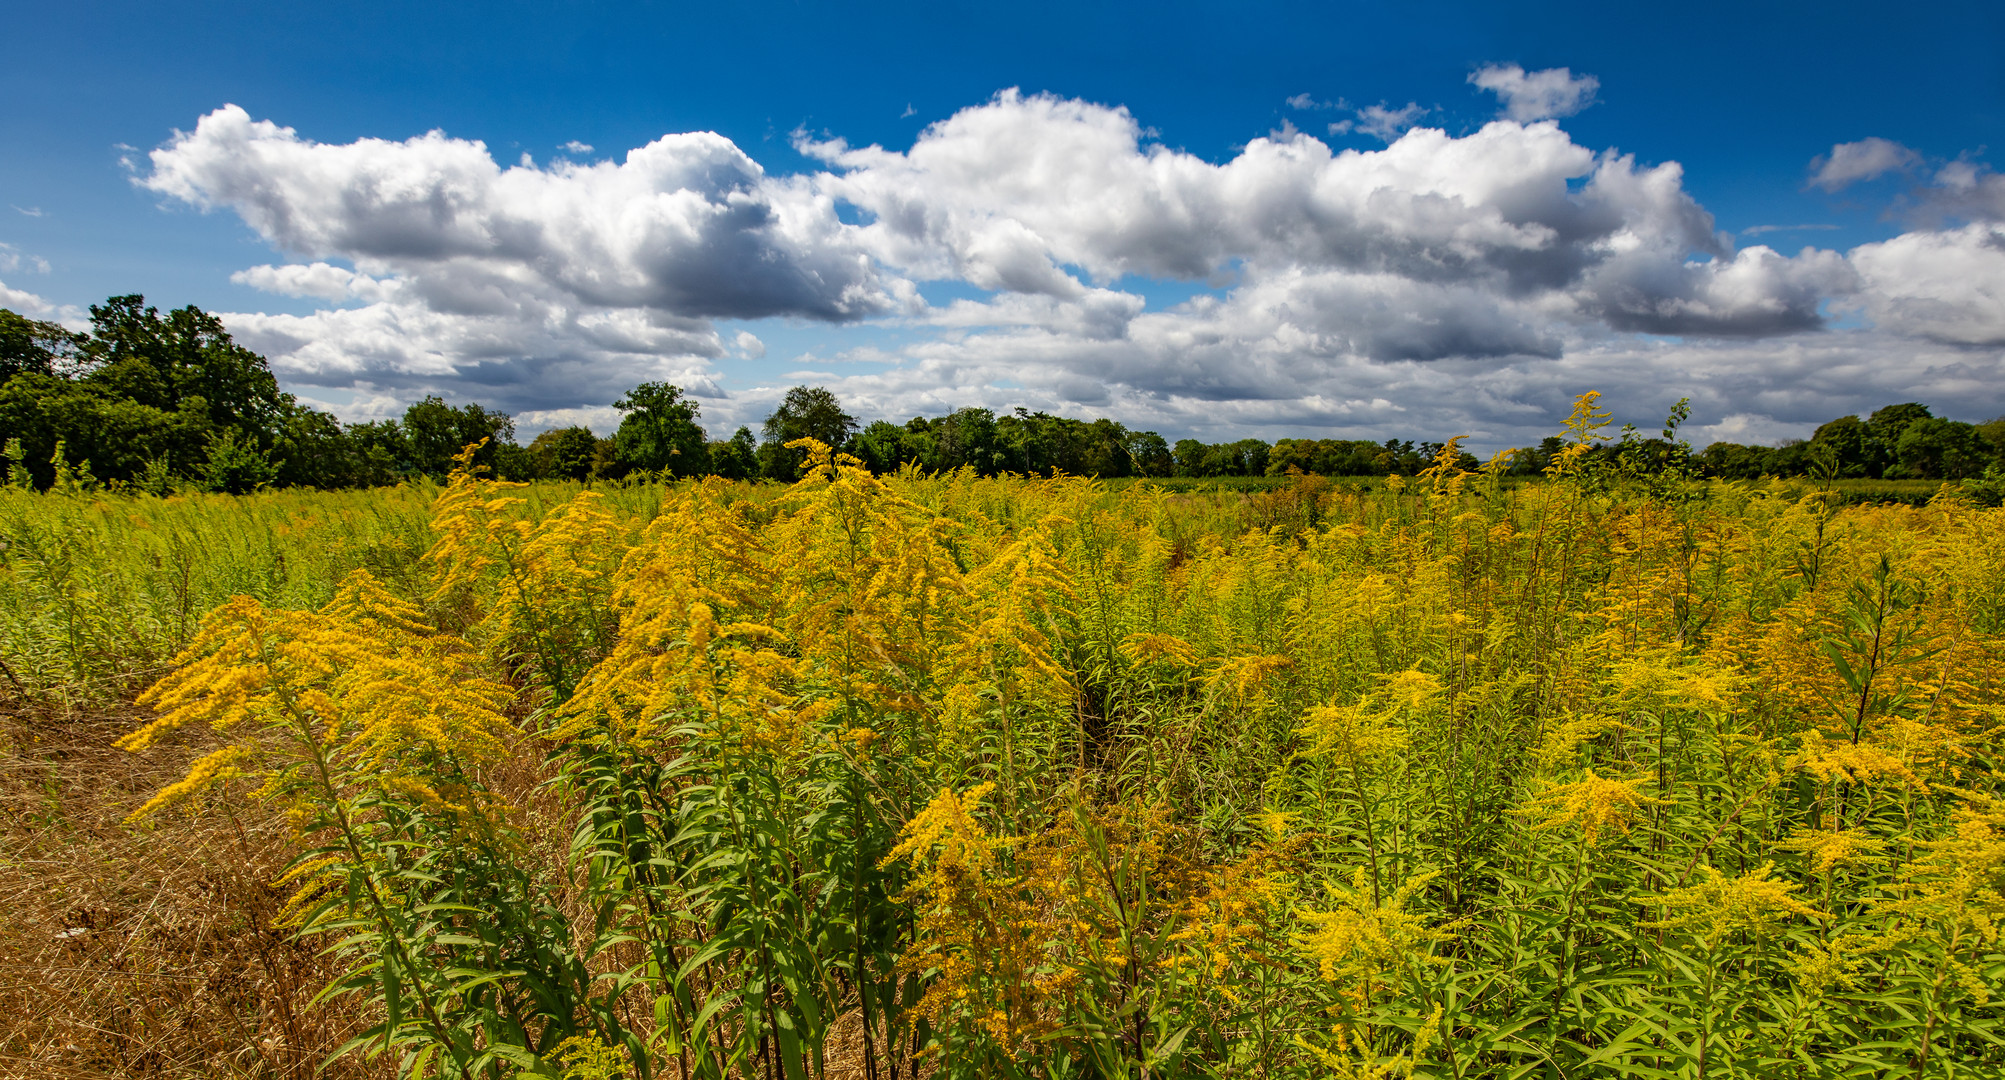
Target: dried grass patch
[145,952]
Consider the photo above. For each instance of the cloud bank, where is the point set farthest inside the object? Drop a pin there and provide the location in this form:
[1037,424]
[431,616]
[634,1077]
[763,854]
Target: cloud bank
[1441,284]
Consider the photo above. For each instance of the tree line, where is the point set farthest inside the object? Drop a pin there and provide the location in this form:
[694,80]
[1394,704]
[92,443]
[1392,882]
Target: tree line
[159,402]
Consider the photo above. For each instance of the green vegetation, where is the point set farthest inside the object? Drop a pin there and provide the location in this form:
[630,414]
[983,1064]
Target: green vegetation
[158,403]
[1612,772]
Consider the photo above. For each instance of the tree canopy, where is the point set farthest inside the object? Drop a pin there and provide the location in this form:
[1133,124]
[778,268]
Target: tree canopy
[659,432]
[158,400]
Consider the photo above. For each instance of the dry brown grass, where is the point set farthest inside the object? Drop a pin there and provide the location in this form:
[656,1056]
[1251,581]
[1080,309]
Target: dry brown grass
[157,951]
[145,952]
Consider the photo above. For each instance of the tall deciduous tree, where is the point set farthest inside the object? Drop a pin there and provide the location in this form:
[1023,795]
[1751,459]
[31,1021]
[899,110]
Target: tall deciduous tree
[659,432]
[28,346]
[806,412]
[565,452]
[435,431]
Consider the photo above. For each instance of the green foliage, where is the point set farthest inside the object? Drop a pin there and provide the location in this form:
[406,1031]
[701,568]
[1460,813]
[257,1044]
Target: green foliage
[564,453]
[1450,777]
[659,433]
[1247,457]
[236,466]
[434,433]
[29,347]
[807,412]
[736,458]
[1935,449]
[144,396]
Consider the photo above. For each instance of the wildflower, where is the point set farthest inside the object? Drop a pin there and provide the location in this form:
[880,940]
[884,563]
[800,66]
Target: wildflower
[1722,906]
[1353,1059]
[1861,763]
[1413,690]
[1594,804]
[1829,849]
[355,679]
[1561,743]
[1366,947]
[1246,676]
[1820,967]
[585,1058]
[945,834]
[1358,734]
[1158,648]
[1958,885]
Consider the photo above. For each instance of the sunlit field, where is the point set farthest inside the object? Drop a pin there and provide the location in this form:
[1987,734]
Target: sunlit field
[908,775]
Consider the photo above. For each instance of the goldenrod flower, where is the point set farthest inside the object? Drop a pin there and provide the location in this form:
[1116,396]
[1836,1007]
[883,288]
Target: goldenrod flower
[1594,804]
[1722,906]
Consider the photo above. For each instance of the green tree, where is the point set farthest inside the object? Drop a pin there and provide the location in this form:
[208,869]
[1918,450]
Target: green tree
[659,433]
[117,435]
[1732,461]
[379,453]
[1150,454]
[881,446]
[1856,445]
[144,394]
[968,437]
[28,346]
[1937,449]
[435,432]
[168,362]
[1888,423]
[736,458]
[311,449]
[565,452]
[806,412]
[1993,433]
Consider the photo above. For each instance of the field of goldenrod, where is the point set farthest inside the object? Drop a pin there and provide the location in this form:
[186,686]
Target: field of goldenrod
[915,776]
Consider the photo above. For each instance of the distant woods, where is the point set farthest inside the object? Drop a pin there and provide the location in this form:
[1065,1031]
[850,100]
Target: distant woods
[160,402]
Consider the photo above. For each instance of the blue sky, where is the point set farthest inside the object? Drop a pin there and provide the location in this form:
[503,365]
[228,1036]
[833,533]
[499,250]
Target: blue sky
[1742,97]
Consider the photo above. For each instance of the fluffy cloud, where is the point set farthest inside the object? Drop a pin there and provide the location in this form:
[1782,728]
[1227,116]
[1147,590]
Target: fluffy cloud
[1442,283]
[35,307]
[1942,286]
[1867,159]
[1009,195]
[321,280]
[687,224]
[1965,190]
[1962,190]
[1536,95]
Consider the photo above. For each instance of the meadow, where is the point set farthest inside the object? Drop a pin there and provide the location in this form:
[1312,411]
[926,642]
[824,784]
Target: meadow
[947,776]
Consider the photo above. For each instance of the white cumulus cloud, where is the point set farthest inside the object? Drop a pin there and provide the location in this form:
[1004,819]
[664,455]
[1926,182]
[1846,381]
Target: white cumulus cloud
[1440,283]
[1382,121]
[1536,95]
[687,224]
[12,260]
[23,302]
[1946,286]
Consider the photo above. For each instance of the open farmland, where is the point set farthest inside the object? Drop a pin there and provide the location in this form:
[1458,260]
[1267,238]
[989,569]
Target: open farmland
[908,775]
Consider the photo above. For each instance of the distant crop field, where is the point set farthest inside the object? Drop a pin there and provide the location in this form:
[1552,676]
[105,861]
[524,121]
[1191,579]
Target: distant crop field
[950,776]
